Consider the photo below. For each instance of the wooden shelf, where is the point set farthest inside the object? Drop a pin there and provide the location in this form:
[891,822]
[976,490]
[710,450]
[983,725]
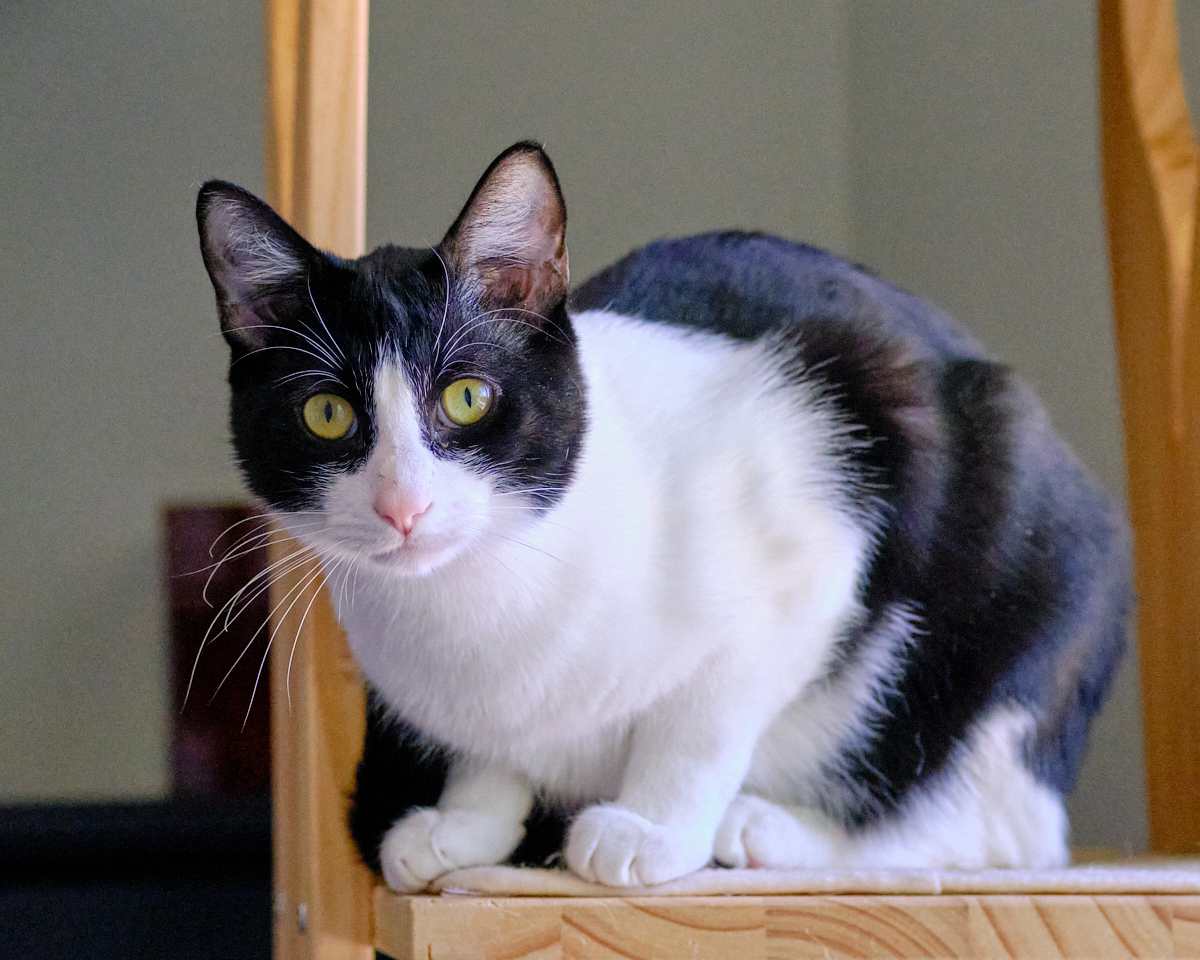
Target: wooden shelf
[787,927]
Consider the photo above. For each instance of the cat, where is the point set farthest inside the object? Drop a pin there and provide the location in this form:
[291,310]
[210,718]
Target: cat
[734,554]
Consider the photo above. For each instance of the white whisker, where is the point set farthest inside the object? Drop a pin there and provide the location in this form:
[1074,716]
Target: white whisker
[260,582]
[545,553]
[437,340]
[270,640]
[332,339]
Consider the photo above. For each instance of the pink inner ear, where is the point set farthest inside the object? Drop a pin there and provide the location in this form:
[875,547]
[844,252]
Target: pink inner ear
[244,324]
[534,287]
[547,234]
[512,236]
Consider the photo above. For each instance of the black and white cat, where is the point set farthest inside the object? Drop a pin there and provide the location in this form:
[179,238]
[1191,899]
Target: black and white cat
[735,553]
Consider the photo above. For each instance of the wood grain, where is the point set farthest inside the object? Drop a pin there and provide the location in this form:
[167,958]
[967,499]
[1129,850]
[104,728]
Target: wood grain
[870,927]
[322,893]
[611,929]
[788,928]
[329,192]
[281,31]
[316,172]
[1149,166]
[1185,926]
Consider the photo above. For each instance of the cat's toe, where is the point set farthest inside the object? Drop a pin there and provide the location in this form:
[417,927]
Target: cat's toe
[617,847]
[758,833]
[426,843]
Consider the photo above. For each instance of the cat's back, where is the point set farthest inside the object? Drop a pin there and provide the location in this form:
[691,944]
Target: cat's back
[1010,557]
[746,285]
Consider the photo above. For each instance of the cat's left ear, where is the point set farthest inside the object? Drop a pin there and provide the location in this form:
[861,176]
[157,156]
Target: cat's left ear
[511,236]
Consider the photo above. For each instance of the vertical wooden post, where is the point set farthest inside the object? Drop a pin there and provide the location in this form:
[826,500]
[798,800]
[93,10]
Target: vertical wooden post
[316,173]
[1149,164]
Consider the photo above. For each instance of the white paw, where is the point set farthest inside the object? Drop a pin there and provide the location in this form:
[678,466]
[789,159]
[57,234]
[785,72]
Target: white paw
[615,846]
[425,843]
[758,833]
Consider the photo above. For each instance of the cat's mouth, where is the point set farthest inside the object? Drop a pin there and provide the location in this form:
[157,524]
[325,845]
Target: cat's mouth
[411,559]
[394,555]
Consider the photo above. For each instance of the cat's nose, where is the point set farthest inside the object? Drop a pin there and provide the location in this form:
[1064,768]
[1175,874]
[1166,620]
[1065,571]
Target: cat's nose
[401,512]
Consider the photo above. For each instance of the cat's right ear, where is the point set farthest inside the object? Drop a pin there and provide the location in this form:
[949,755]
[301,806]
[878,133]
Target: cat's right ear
[250,253]
[510,238]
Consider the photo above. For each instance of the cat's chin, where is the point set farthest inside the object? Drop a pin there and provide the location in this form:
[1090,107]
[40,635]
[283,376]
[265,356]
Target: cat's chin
[409,561]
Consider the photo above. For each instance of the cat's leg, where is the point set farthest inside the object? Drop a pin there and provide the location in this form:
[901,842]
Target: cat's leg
[757,833]
[687,760]
[479,820]
[986,810]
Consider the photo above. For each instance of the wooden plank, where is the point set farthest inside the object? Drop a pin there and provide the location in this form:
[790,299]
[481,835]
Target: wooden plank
[479,928]
[1066,926]
[1138,923]
[1149,167]
[316,171]
[282,50]
[787,928]
[857,926]
[323,895]
[289,799]
[683,929]
[329,193]
[1184,913]
[289,838]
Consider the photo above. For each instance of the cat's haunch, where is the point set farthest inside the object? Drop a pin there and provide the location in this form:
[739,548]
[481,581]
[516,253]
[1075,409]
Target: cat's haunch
[734,553]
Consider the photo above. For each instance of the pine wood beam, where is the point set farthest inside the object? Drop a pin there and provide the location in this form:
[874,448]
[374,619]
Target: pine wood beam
[788,927]
[1149,167]
[316,178]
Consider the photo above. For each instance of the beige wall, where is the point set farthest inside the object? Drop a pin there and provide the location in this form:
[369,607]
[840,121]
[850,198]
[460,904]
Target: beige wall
[955,154]
[110,378]
[663,118]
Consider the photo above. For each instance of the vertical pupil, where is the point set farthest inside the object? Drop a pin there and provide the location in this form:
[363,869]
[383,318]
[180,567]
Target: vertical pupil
[329,411]
[467,395]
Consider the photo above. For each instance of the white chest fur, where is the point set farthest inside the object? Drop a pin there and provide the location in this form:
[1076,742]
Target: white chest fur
[703,532]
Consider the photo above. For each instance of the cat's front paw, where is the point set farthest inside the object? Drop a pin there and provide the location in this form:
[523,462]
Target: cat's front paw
[758,833]
[425,843]
[617,847]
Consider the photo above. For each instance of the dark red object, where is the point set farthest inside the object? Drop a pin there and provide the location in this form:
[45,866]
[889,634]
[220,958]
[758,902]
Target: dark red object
[221,735]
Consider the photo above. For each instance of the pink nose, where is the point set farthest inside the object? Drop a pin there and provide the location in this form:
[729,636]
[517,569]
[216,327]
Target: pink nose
[401,514]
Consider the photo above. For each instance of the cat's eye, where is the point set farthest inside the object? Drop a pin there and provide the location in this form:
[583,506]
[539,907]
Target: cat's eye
[465,401]
[329,416]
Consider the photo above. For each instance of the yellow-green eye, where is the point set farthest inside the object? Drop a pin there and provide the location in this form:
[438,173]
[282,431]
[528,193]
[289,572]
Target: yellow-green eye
[466,401]
[329,416]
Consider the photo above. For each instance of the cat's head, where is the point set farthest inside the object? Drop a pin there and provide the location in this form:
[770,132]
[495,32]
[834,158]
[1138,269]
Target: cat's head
[400,407]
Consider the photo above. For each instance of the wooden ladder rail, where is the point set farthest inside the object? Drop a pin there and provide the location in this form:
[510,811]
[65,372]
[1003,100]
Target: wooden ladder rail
[316,178]
[1149,169]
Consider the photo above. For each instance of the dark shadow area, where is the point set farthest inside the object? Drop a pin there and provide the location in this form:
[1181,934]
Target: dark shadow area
[146,880]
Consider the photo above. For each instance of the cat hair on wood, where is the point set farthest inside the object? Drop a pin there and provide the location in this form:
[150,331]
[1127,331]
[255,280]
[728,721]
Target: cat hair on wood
[733,553]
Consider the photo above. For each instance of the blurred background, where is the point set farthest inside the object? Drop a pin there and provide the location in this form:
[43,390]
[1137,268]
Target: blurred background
[951,148]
